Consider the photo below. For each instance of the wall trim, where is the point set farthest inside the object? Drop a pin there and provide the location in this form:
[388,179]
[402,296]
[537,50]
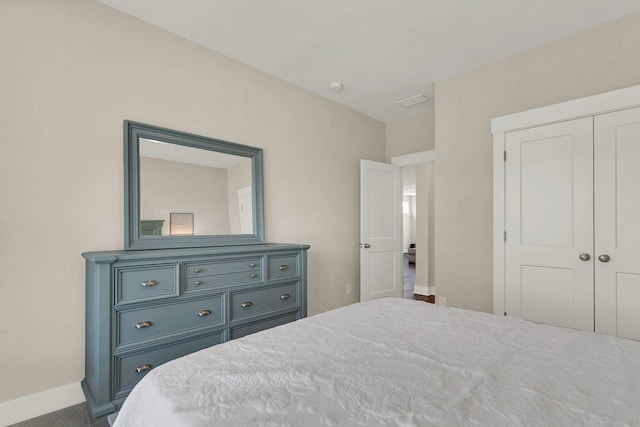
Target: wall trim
[606,102]
[44,402]
[424,290]
[414,158]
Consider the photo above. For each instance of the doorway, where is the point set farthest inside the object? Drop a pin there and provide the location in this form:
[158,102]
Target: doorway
[418,224]
[409,248]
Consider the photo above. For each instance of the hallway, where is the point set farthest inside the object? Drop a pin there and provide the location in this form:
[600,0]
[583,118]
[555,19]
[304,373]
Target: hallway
[409,280]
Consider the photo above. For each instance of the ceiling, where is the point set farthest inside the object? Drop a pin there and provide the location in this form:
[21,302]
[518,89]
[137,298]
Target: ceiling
[382,51]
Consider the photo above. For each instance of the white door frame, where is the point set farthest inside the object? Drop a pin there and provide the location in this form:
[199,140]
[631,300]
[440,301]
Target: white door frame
[590,106]
[414,159]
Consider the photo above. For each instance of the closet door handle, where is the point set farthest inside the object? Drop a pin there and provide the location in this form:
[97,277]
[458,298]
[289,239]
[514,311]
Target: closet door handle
[584,257]
[604,258]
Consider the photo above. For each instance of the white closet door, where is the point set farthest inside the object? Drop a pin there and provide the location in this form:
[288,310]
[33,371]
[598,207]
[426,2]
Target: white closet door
[549,224]
[617,217]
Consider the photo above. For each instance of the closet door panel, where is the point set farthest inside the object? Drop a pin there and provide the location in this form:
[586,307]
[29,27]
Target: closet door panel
[546,192]
[546,292]
[627,301]
[549,223]
[617,229]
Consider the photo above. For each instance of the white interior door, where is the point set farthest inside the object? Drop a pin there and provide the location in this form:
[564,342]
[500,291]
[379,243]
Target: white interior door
[245,200]
[380,230]
[549,224]
[617,230]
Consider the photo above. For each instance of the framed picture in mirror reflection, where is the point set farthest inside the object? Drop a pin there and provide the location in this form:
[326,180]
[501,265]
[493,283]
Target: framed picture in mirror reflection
[181,224]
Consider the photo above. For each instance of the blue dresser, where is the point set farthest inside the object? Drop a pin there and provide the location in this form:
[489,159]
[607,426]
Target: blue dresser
[144,308]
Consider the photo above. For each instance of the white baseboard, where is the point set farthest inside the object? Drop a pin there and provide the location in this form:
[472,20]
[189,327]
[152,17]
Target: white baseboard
[424,290]
[34,405]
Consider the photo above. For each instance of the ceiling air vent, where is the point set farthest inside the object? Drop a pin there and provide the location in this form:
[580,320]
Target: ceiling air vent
[414,100]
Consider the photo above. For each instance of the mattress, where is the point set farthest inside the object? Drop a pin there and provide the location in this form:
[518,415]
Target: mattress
[395,362]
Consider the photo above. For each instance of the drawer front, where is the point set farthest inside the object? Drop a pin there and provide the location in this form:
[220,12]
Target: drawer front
[283,266]
[134,326]
[259,301]
[250,328]
[144,283]
[220,280]
[132,368]
[208,268]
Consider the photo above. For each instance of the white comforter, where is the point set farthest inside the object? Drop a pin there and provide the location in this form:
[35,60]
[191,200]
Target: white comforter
[393,362]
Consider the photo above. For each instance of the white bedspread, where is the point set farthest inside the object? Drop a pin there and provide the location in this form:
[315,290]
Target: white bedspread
[393,362]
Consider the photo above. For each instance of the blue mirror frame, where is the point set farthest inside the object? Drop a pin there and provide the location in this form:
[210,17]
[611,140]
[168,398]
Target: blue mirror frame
[133,132]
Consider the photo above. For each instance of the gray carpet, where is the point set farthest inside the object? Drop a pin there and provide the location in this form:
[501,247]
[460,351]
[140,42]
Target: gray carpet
[409,278]
[73,416]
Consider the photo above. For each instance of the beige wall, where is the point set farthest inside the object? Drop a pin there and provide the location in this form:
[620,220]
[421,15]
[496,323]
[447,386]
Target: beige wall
[425,227]
[162,191]
[411,135]
[596,61]
[71,71]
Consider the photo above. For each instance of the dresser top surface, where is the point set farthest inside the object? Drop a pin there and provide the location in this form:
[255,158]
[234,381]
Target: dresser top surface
[112,256]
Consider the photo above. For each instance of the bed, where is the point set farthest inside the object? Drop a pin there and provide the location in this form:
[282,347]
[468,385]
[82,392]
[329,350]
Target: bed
[395,362]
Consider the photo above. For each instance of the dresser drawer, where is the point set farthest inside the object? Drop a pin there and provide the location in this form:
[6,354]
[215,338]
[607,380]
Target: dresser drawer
[264,300]
[261,325]
[133,326]
[138,283]
[283,266]
[221,280]
[215,267]
[130,369]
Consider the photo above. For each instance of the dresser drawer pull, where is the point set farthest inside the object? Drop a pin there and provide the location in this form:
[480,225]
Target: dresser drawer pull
[197,283]
[143,368]
[197,270]
[284,296]
[144,324]
[203,313]
[283,267]
[149,283]
[253,264]
[253,275]
[246,304]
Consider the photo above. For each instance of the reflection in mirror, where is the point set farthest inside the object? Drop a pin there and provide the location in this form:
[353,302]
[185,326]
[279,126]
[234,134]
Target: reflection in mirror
[214,187]
[186,191]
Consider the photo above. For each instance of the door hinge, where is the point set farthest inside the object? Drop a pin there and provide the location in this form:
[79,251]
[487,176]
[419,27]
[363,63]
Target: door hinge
[505,155]
[505,313]
[505,236]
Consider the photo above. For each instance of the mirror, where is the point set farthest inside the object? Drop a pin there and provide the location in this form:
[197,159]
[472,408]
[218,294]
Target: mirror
[184,190]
